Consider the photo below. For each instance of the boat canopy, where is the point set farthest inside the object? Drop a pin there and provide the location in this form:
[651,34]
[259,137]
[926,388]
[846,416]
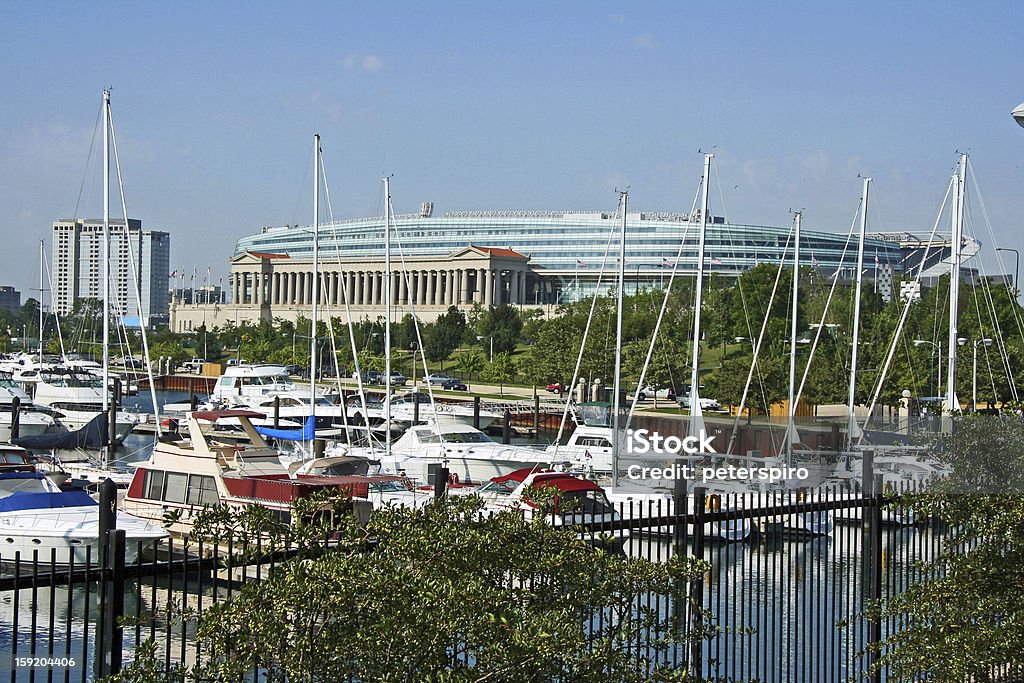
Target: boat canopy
[43,500]
[214,415]
[307,433]
[94,434]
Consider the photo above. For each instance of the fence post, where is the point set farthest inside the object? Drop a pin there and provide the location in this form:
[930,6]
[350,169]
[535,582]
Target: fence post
[113,605]
[476,412]
[112,417]
[697,585]
[440,482]
[415,409]
[506,429]
[15,418]
[105,630]
[536,411]
[875,625]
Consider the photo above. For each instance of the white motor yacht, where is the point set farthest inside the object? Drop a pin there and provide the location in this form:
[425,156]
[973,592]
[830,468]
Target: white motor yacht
[39,520]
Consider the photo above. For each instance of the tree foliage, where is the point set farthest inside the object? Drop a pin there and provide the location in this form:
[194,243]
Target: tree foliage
[444,593]
[966,620]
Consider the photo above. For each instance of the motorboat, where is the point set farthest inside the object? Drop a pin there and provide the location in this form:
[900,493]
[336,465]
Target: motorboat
[573,501]
[185,475]
[467,453]
[241,383]
[31,421]
[404,409]
[78,399]
[41,522]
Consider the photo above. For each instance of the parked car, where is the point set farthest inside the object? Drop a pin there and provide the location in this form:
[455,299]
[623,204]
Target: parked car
[397,379]
[651,392]
[194,365]
[369,376]
[237,361]
[705,403]
[452,384]
[438,378]
[556,387]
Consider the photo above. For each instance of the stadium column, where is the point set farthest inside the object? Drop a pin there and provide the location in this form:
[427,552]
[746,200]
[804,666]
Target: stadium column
[462,276]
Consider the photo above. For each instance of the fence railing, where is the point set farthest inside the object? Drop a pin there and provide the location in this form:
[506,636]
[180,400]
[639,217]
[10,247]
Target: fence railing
[788,587]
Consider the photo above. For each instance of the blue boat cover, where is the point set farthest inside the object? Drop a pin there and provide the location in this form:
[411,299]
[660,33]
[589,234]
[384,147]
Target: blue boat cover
[92,435]
[42,500]
[305,434]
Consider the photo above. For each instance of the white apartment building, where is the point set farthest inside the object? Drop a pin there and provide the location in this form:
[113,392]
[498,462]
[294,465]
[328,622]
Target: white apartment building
[138,258]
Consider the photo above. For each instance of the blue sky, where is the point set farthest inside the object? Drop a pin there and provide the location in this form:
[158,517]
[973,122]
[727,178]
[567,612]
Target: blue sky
[518,105]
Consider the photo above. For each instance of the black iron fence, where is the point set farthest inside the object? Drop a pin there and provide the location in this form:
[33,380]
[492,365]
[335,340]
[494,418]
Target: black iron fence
[788,589]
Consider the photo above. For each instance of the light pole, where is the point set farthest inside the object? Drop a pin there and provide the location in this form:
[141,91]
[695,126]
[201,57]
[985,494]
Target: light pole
[919,342]
[412,349]
[974,373]
[1016,265]
[481,337]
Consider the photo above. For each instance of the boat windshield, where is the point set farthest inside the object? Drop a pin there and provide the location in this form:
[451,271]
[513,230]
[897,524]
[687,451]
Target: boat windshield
[425,436]
[388,486]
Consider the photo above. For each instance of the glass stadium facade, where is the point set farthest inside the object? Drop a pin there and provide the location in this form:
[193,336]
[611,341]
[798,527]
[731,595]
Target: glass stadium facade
[569,249]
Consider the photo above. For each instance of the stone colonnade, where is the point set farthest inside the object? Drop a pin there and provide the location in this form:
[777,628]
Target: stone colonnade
[265,286]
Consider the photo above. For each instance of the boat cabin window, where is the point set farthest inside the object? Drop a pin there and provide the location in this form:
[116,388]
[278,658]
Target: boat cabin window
[226,382]
[179,487]
[174,489]
[202,490]
[153,484]
[596,441]
[467,437]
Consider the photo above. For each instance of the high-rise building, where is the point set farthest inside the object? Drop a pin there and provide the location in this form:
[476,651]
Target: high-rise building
[10,299]
[139,263]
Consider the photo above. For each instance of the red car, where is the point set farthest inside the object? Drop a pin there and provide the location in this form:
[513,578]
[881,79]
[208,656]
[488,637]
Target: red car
[556,387]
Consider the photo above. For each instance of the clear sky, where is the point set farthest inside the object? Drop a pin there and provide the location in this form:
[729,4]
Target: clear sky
[534,105]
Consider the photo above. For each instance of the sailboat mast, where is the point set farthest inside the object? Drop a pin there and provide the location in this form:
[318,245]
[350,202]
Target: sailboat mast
[106,250]
[851,431]
[313,361]
[696,414]
[41,257]
[791,428]
[387,317]
[952,402]
[617,376]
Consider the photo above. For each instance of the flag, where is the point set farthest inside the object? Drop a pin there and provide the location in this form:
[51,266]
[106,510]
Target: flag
[876,259]
[716,261]
[665,263]
[814,262]
[580,264]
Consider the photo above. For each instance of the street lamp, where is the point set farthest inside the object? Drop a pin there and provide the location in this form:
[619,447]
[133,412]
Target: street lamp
[481,337]
[1016,262]
[919,342]
[974,374]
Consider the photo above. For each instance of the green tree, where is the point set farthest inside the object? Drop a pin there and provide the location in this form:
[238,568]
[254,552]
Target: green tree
[500,370]
[471,364]
[445,335]
[502,325]
[170,349]
[444,594]
[965,620]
